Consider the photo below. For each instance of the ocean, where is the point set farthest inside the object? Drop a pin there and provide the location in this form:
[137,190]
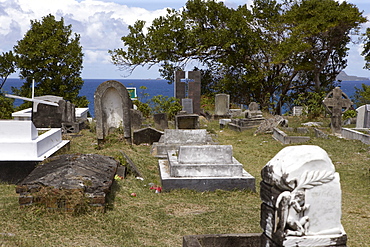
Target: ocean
[154,87]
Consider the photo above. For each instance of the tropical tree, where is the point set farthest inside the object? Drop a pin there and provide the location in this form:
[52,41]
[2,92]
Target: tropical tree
[269,53]
[7,66]
[51,56]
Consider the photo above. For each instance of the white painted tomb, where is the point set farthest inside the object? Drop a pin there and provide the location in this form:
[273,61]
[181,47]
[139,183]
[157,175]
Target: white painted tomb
[301,197]
[19,141]
[25,114]
[204,168]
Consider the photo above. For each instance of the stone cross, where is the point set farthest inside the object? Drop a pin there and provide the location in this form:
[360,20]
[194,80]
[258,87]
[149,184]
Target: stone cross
[186,80]
[336,103]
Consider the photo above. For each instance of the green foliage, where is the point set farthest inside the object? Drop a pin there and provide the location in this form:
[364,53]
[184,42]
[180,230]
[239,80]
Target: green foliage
[143,107]
[165,104]
[366,48]
[274,48]
[349,114]
[6,107]
[362,95]
[7,66]
[312,103]
[207,103]
[51,56]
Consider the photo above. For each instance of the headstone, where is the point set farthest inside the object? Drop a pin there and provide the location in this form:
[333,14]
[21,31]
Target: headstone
[204,168]
[336,103]
[187,105]
[301,199]
[222,102]
[363,116]
[297,111]
[187,121]
[160,121]
[189,87]
[112,109]
[146,135]
[67,182]
[253,111]
[136,119]
[172,139]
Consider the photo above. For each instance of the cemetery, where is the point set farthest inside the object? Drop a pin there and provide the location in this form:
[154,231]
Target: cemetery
[285,181]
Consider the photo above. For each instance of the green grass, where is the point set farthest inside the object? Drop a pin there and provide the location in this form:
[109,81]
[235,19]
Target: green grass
[152,219]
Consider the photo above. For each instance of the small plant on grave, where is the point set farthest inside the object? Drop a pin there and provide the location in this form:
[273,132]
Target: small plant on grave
[312,103]
[165,104]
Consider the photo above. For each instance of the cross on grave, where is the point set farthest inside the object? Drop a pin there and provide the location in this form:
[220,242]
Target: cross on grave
[336,103]
[35,101]
[186,80]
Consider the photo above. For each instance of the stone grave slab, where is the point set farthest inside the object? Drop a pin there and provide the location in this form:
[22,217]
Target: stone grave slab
[241,124]
[282,137]
[147,135]
[67,182]
[172,139]
[112,109]
[204,168]
[354,134]
[301,199]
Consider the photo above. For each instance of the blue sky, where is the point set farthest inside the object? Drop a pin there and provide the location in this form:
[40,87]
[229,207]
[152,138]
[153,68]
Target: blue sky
[101,24]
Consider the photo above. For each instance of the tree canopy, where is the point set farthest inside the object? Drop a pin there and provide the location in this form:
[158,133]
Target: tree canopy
[52,56]
[270,52]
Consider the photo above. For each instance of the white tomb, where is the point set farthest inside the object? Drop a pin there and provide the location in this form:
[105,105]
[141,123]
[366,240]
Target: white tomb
[20,141]
[204,168]
[25,115]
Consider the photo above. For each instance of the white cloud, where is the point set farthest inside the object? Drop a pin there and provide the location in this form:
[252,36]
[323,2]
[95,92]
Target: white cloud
[100,24]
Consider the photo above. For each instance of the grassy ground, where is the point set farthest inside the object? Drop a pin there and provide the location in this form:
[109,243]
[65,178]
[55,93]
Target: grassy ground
[152,219]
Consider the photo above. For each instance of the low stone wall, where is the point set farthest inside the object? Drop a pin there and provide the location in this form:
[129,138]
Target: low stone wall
[282,137]
[352,134]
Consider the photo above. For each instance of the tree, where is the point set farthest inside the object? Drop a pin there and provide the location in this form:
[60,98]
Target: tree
[269,54]
[51,56]
[7,66]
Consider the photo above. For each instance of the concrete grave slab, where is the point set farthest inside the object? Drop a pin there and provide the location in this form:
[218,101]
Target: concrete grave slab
[204,168]
[172,139]
[147,135]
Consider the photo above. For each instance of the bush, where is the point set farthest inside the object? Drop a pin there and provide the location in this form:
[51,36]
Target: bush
[165,104]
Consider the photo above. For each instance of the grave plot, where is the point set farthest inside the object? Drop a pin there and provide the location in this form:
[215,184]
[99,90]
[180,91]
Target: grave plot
[69,182]
[204,168]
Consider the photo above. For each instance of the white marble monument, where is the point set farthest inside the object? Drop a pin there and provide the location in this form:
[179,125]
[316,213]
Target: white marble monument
[301,197]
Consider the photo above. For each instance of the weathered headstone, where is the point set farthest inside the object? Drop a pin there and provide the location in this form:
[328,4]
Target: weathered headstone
[160,121]
[253,111]
[222,102]
[187,105]
[301,199]
[187,121]
[202,168]
[188,87]
[363,116]
[336,103]
[146,135]
[136,119]
[112,109]
[67,182]
[297,111]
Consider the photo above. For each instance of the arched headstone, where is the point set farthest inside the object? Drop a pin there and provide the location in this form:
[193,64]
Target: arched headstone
[112,109]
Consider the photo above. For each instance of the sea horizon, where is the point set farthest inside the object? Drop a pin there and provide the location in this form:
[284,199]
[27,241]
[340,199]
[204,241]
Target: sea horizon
[153,87]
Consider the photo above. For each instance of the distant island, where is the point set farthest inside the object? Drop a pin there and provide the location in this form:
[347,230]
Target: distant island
[344,77]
